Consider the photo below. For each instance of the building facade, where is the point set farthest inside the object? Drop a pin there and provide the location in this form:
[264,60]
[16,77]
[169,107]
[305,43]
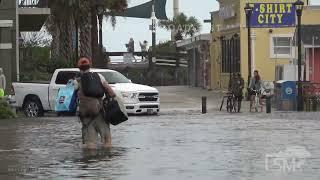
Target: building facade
[18,16]
[197,48]
[272,38]
[8,43]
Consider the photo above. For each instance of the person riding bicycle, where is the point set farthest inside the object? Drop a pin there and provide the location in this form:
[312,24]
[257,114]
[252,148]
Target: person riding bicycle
[255,85]
[237,85]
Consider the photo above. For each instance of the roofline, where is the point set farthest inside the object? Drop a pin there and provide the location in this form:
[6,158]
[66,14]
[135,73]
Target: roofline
[201,37]
[313,7]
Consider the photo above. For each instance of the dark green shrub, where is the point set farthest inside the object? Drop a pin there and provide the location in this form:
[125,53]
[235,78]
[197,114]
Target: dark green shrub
[5,111]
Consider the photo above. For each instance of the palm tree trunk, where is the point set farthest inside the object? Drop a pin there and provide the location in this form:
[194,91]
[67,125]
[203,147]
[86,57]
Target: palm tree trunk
[67,50]
[55,43]
[52,26]
[94,38]
[85,29]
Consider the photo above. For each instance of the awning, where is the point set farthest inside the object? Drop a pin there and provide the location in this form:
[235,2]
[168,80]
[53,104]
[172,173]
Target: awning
[144,10]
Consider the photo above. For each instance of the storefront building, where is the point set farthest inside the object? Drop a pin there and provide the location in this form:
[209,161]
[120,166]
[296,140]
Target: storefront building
[18,16]
[272,38]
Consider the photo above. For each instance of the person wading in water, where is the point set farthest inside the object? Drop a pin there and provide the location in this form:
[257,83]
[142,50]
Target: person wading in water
[91,89]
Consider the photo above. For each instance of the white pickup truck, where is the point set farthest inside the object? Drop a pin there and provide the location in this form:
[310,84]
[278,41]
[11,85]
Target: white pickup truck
[36,98]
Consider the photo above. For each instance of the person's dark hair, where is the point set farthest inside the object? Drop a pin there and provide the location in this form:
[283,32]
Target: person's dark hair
[84,63]
[257,78]
[84,68]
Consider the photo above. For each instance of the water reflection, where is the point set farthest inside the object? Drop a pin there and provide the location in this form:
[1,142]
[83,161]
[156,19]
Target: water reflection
[212,146]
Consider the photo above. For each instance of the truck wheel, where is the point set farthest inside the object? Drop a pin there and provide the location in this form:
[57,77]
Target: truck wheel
[33,108]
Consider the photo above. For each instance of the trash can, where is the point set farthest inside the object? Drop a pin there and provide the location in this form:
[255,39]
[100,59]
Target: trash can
[285,94]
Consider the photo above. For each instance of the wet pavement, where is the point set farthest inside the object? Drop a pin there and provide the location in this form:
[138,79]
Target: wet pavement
[178,144]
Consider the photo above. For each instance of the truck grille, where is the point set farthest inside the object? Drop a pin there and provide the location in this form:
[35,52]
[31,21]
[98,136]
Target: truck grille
[149,97]
[149,106]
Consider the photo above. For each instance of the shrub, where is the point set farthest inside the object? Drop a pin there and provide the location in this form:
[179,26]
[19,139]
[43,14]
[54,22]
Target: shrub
[5,111]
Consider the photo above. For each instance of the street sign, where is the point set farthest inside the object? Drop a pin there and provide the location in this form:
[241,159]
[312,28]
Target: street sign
[273,15]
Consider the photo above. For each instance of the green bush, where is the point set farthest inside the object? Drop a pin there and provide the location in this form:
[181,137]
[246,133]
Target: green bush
[5,111]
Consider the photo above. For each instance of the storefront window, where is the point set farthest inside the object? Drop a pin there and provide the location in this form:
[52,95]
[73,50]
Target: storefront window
[281,47]
[230,56]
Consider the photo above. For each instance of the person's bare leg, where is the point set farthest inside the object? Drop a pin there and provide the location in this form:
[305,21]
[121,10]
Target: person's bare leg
[89,134]
[107,139]
[104,131]
[91,146]
[107,142]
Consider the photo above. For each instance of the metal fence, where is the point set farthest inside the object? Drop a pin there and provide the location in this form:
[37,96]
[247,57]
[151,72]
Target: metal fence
[311,96]
[33,3]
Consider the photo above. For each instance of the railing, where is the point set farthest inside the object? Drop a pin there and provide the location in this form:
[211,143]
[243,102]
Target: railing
[140,59]
[311,96]
[33,3]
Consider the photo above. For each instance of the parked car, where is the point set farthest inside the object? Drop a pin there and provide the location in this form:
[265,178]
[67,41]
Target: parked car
[36,98]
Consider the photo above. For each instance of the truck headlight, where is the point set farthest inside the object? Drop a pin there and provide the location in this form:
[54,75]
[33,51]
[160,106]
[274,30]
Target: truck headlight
[129,95]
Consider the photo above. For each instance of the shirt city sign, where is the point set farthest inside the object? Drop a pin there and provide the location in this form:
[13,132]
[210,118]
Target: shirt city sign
[273,15]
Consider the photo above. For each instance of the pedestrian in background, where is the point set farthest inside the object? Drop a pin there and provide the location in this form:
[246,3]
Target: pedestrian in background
[237,88]
[232,79]
[130,45]
[2,83]
[255,84]
[144,47]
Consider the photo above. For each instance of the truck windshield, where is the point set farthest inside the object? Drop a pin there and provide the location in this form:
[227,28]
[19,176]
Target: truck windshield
[115,77]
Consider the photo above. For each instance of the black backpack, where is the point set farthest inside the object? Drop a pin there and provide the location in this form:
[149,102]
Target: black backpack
[91,85]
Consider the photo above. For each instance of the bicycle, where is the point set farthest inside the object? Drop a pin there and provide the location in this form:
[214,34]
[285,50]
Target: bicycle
[256,103]
[232,102]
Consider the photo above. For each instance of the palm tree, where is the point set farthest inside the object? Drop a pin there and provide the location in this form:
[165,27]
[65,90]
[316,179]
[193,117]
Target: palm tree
[69,15]
[111,8]
[182,25]
[60,25]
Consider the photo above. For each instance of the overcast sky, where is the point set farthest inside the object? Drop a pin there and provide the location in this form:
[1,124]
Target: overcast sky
[138,29]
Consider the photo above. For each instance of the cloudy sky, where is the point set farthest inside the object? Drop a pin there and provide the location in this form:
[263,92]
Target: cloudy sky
[138,29]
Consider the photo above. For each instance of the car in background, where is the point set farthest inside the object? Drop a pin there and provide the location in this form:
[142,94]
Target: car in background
[36,98]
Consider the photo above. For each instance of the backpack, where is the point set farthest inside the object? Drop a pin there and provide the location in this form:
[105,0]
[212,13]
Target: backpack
[91,85]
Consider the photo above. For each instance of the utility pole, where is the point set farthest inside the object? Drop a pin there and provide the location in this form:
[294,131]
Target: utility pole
[153,29]
[299,7]
[175,14]
[248,10]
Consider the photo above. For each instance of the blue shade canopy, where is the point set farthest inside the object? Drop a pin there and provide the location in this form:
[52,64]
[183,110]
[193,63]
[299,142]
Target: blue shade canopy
[144,10]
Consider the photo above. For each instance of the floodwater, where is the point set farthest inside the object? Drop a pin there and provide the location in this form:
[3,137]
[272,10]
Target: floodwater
[170,146]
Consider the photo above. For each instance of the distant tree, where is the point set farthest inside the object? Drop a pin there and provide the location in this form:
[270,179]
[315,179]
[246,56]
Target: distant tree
[182,25]
[36,39]
[167,46]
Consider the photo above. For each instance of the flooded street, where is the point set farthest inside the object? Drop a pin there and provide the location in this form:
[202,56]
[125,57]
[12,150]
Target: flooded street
[185,146]
[178,144]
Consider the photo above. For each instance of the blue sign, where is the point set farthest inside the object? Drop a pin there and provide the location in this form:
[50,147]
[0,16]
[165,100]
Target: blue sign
[273,15]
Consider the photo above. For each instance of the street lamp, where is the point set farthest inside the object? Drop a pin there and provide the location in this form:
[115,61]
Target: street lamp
[100,12]
[152,27]
[299,7]
[248,10]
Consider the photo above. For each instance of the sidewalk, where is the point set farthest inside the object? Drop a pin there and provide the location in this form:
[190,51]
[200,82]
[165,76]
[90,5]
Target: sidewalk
[188,99]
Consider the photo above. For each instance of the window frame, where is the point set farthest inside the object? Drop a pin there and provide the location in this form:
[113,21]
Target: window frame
[65,73]
[281,56]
